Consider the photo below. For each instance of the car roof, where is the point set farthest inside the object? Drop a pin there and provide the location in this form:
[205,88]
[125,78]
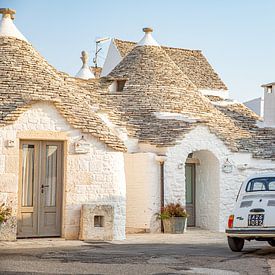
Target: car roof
[261,175]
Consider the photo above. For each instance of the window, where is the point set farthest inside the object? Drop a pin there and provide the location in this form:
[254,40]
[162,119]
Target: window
[120,85]
[117,86]
[261,184]
[98,221]
[269,89]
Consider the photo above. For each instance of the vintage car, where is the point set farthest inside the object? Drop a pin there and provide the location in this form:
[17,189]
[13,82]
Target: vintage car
[253,217]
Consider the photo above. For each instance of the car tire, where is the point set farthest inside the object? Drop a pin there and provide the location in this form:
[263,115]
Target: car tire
[271,242]
[235,244]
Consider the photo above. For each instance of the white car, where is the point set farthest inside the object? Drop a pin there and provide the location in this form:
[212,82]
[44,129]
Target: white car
[253,217]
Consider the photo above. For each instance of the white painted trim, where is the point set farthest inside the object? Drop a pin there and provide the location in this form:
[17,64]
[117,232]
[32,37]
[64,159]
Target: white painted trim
[176,116]
[221,93]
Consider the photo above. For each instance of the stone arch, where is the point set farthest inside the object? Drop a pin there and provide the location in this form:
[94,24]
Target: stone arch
[204,145]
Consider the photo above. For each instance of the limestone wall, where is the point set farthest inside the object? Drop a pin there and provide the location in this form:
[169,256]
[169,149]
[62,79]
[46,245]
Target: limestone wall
[96,177]
[143,192]
[243,165]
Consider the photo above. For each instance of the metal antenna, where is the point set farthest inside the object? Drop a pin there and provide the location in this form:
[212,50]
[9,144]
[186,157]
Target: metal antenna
[98,48]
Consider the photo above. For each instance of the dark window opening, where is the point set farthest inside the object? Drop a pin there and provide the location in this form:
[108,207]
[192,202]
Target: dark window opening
[120,85]
[98,221]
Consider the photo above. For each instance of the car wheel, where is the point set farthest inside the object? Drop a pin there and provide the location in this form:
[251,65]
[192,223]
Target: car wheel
[235,244]
[271,242]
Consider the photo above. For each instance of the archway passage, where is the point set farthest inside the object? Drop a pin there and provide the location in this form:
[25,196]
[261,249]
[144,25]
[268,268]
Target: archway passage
[202,189]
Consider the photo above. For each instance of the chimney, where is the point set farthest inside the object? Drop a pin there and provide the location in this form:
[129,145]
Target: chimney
[269,104]
[148,39]
[7,27]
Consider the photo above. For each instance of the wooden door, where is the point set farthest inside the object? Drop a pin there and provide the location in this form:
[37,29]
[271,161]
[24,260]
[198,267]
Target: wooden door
[190,193]
[40,189]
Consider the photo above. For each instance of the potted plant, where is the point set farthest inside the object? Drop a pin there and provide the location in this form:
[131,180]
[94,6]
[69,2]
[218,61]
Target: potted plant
[5,213]
[174,218]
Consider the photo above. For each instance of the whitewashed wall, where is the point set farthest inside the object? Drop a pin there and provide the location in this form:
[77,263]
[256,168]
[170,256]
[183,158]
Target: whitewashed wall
[256,105]
[207,190]
[112,59]
[243,165]
[97,177]
[143,192]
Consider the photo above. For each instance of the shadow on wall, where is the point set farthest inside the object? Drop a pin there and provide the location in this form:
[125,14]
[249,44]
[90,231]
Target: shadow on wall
[207,190]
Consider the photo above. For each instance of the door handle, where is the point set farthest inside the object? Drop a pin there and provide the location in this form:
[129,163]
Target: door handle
[42,188]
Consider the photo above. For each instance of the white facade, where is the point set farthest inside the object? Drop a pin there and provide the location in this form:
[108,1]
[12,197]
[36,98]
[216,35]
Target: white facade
[96,177]
[216,188]
[256,105]
[112,59]
[269,105]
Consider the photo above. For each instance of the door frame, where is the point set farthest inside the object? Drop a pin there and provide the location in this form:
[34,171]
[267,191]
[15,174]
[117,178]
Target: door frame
[38,161]
[193,165]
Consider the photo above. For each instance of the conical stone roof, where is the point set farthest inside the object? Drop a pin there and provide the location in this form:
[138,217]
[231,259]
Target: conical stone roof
[155,84]
[26,77]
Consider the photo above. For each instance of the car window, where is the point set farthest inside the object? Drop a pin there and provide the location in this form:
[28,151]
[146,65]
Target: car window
[261,184]
[258,186]
[271,186]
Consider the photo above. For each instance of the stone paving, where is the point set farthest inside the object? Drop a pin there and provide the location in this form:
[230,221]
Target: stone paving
[194,252]
[192,236]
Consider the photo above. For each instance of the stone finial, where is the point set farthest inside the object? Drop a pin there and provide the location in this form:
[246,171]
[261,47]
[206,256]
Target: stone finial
[85,72]
[147,39]
[84,57]
[146,30]
[7,13]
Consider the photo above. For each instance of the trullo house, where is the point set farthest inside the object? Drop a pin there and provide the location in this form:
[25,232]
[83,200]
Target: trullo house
[95,157]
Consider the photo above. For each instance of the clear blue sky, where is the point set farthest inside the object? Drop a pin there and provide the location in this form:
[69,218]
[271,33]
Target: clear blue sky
[237,37]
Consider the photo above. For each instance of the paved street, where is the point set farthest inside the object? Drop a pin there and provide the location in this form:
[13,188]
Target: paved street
[196,252]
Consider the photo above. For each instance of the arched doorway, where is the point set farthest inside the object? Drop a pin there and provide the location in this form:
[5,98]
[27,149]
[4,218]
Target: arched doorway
[202,193]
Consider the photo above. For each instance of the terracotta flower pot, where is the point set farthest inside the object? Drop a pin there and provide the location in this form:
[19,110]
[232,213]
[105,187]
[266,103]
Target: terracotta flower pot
[175,225]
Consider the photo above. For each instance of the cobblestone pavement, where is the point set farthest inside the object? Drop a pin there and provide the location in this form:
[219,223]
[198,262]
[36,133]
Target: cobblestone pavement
[196,252]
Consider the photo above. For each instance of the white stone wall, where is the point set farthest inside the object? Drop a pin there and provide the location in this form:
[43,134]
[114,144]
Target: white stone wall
[207,190]
[229,183]
[143,192]
[256,105]
[96,177]
[112,59]
[269,106]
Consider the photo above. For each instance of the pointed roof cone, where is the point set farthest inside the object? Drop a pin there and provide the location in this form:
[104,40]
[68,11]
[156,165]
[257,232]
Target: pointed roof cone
[7,27]
[85,71]
[151,66]
[148,39]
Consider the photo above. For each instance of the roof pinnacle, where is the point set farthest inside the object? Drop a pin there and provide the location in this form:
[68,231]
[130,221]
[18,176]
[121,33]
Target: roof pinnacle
[148,39]
[85,72]
[7,13]
[7,27]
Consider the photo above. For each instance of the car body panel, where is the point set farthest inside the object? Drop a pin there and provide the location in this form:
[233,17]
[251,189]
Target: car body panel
[254,211]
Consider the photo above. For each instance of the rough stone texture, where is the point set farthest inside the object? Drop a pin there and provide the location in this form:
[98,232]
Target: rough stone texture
[88,231]
[26,77]
[143,192]
[221,200]
[191,62]
[151,89]
[90,178]
[8,230]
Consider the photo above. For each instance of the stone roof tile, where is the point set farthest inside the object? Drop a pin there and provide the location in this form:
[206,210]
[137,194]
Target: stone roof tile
[26,77]
[192,63]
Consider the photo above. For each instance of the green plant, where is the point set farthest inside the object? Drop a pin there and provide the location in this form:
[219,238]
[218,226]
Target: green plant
[172,210]
[5,213]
